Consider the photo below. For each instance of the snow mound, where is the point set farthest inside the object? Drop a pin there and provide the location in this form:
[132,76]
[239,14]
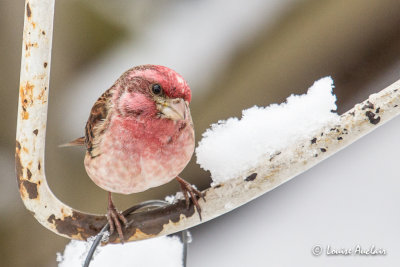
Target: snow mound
[162,251]
[231,148]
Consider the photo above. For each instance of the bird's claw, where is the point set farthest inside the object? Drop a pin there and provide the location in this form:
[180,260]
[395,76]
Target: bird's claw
[115,218]
[190,192]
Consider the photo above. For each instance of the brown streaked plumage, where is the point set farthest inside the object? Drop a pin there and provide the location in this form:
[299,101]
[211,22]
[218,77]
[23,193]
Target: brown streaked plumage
[98,122]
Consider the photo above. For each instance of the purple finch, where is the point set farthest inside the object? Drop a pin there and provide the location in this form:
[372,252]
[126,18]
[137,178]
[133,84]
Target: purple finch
[140,135]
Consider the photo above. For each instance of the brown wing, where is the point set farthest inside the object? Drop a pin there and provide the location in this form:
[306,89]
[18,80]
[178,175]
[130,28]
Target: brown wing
[98,122]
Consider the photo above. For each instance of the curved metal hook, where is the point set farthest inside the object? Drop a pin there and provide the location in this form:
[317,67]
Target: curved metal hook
[74,224]
[30,143]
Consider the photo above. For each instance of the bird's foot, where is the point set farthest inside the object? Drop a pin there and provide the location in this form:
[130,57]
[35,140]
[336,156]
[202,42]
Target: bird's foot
[190,192]
[116,220]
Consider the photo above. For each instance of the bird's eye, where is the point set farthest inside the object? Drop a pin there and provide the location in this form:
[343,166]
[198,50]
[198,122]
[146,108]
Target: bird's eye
[156,89]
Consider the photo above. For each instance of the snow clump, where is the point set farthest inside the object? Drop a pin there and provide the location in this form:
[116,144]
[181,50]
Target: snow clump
[161,251]
[231,148]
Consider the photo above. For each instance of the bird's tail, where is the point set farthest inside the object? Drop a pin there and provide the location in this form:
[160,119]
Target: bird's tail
[77,142]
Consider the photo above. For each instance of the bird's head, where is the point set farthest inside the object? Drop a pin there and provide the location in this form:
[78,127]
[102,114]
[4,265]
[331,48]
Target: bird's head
[152,91]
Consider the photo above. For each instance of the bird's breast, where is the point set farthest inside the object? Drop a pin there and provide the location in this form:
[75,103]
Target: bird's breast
[135,156]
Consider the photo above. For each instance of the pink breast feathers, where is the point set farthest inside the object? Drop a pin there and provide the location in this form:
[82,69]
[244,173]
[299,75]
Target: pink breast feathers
[136,156]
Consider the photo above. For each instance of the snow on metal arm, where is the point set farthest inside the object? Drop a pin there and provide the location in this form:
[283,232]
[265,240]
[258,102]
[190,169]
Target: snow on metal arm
[74,224]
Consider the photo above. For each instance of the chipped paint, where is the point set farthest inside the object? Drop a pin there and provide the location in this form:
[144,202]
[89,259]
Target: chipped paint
[18,165]
[368,105]
[28,173]
[143,224]
[251,177]
[78,225]
[371,117]
[31,189]
[28,10]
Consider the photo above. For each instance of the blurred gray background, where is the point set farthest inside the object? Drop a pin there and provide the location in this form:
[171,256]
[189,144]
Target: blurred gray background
[233,54]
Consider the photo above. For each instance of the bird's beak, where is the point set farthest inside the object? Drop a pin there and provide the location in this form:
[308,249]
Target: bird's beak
[174,109]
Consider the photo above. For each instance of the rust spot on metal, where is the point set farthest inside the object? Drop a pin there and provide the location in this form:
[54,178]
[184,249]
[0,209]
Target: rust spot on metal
[323,149]
[314,140]
[251,177]
[274,155]
[31,188]
[63,213]
[35,44]
[35,132]
[45,64]
[43,32]
[39,166]
[78,224]
[369,105]
[51,218]
[137,236]
[29,173]
[18,166]
[371,117]
[26,94]
[42,97]
[218,186]
[28,10]
[28,45]
[18,145]
[142,224]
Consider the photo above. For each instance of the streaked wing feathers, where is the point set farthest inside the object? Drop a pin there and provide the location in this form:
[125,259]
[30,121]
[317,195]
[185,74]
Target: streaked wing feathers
[98,122]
